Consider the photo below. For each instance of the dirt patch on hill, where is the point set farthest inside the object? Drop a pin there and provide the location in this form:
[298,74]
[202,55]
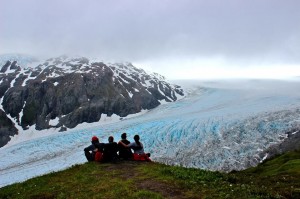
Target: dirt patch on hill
[166,190]
[130,170]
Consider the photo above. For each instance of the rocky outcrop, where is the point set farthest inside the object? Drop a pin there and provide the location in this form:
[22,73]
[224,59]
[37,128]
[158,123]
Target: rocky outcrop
[289,143]
[75,90]
[7,129]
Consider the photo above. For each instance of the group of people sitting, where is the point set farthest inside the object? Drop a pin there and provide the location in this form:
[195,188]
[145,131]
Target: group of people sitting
[112,151]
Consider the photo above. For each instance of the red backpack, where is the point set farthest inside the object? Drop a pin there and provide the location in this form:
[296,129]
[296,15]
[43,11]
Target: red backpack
[141,157]
[98,156]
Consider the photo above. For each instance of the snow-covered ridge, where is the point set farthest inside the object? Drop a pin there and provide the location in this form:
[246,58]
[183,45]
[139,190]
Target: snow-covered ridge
[54,67]
[65,64]
[66,91]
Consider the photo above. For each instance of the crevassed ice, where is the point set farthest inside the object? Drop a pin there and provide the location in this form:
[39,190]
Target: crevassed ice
[214,127]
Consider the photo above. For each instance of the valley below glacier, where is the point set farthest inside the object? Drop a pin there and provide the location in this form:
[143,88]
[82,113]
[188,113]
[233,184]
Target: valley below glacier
[219,125]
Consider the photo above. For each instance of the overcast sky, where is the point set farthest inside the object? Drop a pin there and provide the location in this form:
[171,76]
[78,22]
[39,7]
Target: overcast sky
[176,38]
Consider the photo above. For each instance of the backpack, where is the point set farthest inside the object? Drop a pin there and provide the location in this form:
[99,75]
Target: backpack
[141,157]
[98,156]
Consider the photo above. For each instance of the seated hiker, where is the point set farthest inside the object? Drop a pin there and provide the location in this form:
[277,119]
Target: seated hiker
[138,149]
[125,153]
[94,151]
[110,150]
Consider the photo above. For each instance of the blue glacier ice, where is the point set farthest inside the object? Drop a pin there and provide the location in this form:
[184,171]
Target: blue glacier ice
[221,125]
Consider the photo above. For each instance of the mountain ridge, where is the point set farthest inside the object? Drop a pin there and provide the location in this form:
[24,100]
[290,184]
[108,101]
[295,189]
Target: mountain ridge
[71,91]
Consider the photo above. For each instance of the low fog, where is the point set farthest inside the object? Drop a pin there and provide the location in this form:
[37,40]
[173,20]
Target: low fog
[179,39]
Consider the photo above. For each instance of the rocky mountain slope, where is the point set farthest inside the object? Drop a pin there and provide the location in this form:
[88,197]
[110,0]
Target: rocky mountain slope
[63,92]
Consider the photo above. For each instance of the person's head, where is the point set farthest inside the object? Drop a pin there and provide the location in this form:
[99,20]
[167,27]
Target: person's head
[137,139]
[123,136]
[95,140]
[110,139]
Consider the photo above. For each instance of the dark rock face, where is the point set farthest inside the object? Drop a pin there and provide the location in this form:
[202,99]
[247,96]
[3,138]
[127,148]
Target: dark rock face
[76,91]
[7,129]
[5,67]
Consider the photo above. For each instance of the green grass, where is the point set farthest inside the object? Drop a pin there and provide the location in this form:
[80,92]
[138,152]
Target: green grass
[285,164]
[276,178]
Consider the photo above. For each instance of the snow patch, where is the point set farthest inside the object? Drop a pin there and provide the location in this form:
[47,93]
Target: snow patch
[54,122]
[1,101]
[162,102]
[21,113]
[9,70]
[130,94]
[14,80]
[148,83]
[226,147]
[264,158]
[105,119]
[27,79]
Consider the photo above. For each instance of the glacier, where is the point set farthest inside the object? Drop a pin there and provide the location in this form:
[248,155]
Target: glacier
[220,125]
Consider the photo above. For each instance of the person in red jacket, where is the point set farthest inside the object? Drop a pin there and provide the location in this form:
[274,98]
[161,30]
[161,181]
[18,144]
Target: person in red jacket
[95,150]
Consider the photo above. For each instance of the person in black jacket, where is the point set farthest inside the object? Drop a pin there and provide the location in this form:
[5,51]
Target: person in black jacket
[110,150]
[124,152]
[91,150]
[138,149]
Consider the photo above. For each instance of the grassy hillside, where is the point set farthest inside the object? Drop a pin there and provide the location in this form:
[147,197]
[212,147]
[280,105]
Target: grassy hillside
[276,178]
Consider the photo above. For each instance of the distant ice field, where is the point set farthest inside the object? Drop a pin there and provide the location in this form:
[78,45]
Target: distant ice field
[219,125]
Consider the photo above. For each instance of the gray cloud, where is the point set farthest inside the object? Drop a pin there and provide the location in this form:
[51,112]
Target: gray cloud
[142,30]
